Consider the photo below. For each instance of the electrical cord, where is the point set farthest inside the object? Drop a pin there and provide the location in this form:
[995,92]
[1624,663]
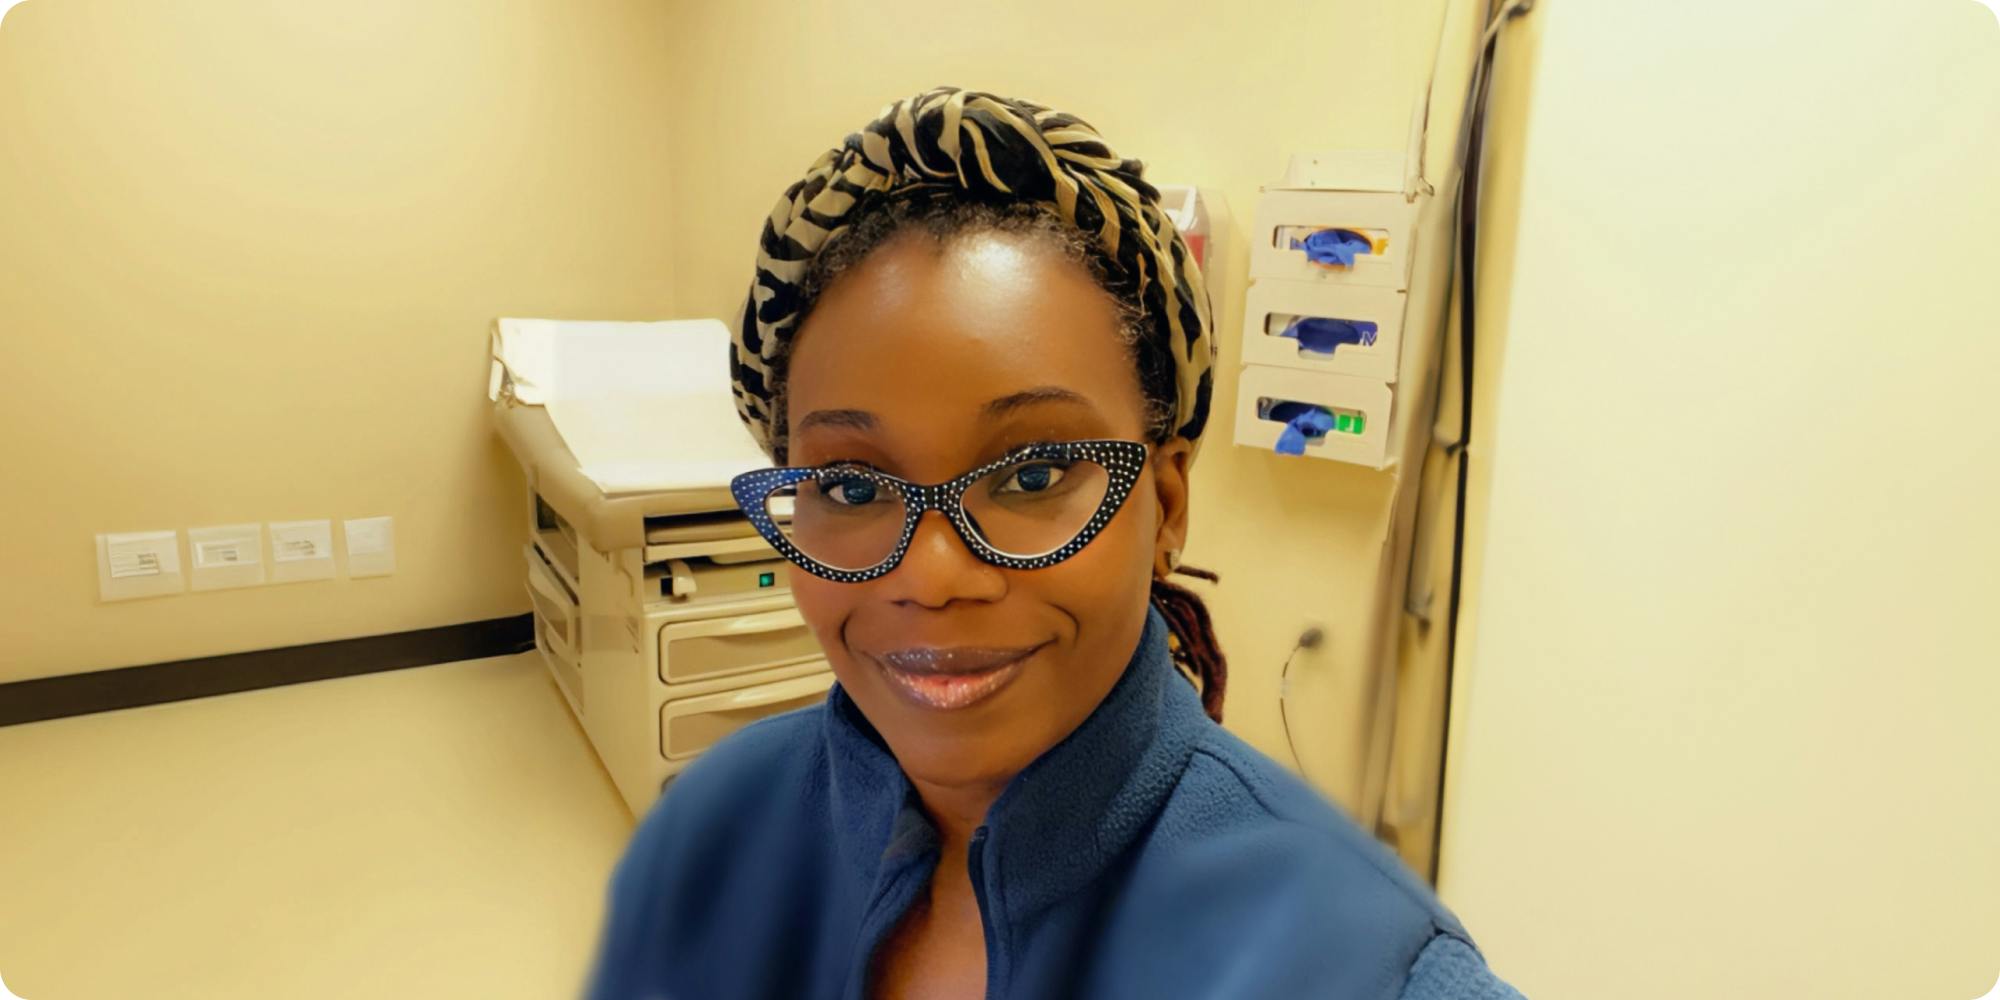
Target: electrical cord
[1309,639]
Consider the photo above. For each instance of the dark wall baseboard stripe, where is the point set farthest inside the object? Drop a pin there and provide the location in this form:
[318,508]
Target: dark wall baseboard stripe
[157,683]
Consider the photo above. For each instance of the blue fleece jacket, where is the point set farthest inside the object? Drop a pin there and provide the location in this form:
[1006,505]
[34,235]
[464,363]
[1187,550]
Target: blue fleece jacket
[1150,854]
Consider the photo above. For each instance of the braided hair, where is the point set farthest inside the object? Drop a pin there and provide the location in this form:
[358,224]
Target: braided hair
[951,162]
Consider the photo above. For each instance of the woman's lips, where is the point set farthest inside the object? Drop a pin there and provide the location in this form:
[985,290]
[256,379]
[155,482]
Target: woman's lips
[954,677]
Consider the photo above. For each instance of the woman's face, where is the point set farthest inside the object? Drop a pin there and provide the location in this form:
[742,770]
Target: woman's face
[925,361]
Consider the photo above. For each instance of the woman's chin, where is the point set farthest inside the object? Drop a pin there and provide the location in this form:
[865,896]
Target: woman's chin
[986,743]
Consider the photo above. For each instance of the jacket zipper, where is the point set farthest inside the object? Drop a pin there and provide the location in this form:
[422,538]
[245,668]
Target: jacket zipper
[975,867]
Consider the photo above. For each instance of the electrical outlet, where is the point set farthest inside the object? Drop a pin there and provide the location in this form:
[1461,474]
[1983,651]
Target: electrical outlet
[139,564]
[230,555]
[371,546]
[301,550]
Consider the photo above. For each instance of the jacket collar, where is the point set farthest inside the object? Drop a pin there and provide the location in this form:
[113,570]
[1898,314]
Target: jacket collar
[1065,818]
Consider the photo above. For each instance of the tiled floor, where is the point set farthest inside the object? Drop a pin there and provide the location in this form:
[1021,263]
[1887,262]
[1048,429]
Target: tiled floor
[436,832]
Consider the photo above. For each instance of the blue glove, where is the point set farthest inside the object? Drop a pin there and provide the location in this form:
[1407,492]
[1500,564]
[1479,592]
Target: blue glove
[1334,246]
[1321,336]
[1302,422]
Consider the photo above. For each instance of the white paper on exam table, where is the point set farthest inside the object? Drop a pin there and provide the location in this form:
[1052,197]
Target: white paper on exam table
[644,407]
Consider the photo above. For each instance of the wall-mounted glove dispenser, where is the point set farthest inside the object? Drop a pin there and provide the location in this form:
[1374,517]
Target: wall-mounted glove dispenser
[1347,329]
[1331,255]
[1315,414]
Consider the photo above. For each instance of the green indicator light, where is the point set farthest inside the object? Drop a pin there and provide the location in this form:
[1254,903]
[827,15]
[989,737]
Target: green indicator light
[1359,421]
[766,579]
[1346,424]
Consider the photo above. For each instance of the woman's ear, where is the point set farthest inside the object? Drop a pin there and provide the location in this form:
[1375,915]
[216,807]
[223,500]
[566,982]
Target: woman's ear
[1170,485]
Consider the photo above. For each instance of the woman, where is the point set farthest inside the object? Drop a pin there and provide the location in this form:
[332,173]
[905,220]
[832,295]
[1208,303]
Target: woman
[973,307]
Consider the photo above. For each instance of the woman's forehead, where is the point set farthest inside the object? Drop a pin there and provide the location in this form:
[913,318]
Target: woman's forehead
[940,345]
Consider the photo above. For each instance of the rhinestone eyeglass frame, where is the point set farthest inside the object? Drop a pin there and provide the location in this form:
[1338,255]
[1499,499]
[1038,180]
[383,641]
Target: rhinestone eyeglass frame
[1122,462]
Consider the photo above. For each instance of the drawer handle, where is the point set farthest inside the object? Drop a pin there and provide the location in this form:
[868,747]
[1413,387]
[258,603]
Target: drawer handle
[768,694]
[768,621]
[751,697]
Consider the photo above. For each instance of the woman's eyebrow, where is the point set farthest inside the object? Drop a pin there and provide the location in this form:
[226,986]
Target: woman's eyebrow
[860,420]
[1027,397]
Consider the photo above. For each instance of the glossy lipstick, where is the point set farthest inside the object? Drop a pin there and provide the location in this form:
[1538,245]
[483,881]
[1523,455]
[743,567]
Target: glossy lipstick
[951,677]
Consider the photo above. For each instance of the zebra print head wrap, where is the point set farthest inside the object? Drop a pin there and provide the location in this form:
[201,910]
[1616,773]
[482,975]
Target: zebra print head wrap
[991,148]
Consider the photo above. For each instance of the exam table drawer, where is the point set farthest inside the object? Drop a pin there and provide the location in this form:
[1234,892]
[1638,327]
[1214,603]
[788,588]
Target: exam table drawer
[718,647]
[689,726]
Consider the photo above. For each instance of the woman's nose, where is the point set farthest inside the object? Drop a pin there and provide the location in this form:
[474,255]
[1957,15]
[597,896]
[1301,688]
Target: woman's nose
[939,568]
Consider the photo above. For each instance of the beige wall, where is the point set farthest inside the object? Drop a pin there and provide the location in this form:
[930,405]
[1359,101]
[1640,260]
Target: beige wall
[260,251]
[1723,719]
[250,253]
[1205,93]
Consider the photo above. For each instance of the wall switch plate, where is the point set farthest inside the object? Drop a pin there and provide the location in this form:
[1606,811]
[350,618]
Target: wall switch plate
[139,564]
[301,550]
[371,546]
[228,555]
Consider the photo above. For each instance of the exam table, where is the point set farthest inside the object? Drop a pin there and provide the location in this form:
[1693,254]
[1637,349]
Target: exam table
[663,617]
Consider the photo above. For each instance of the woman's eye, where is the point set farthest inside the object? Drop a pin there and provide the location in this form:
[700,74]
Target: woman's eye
[852,492]
[1032,478]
